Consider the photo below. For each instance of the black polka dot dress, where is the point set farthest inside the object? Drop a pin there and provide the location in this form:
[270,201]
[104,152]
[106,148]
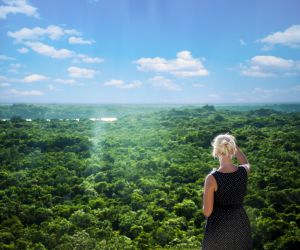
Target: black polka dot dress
[228,226]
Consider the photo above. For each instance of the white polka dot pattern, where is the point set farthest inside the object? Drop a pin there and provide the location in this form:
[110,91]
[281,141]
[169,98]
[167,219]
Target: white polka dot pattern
[228,227]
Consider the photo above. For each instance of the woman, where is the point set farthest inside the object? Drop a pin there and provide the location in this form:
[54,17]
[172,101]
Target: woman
[227,224]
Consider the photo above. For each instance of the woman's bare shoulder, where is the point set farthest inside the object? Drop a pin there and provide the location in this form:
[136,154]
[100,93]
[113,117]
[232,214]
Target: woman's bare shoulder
[210,181]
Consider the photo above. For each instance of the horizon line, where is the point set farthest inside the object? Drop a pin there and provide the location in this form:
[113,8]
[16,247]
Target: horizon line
[150,103]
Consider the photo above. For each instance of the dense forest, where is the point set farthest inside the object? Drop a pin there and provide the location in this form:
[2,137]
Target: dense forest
[137,183]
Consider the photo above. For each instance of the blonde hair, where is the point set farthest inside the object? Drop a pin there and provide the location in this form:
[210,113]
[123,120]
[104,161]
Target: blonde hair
[224,145]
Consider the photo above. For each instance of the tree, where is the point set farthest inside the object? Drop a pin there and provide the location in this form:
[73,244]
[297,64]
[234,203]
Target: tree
[187,208]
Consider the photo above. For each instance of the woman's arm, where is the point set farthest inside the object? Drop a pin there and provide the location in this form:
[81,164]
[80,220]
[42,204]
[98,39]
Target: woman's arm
[242,159]
[208,196]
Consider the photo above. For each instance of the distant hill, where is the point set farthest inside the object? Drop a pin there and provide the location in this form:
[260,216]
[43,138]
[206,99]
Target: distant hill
[74,111]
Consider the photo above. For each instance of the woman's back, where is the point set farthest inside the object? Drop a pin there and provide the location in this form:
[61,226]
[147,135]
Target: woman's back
[232,187]
[228,226]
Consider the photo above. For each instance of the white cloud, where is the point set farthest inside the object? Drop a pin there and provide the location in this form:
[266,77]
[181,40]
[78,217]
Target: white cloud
[77,72]
[51,87]
[132,85]
[268,93]
[268,66]
[258,93]
[214,96]
[296,88]
[32,39]
[17,7]
[273,61]
[122,85]
[267,47]
[34,78]
[114,83]
[4,84]
[242,42]
[50,51]
[79,40]
[198,85]
[46,50]
[23,50]
[4,78]
[86,59]
[14,67]
[52,31]
[162,82]
[17,93]
[265,92]
[183,66]
[289,37]
[6,58]
[65,81]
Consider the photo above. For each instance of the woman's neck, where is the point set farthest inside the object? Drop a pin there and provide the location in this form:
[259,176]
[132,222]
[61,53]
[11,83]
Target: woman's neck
[226,162]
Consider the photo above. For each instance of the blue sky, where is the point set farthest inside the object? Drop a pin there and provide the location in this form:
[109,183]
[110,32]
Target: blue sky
[149,51]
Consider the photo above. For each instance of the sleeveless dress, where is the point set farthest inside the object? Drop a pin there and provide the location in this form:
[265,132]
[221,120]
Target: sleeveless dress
[228,226]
